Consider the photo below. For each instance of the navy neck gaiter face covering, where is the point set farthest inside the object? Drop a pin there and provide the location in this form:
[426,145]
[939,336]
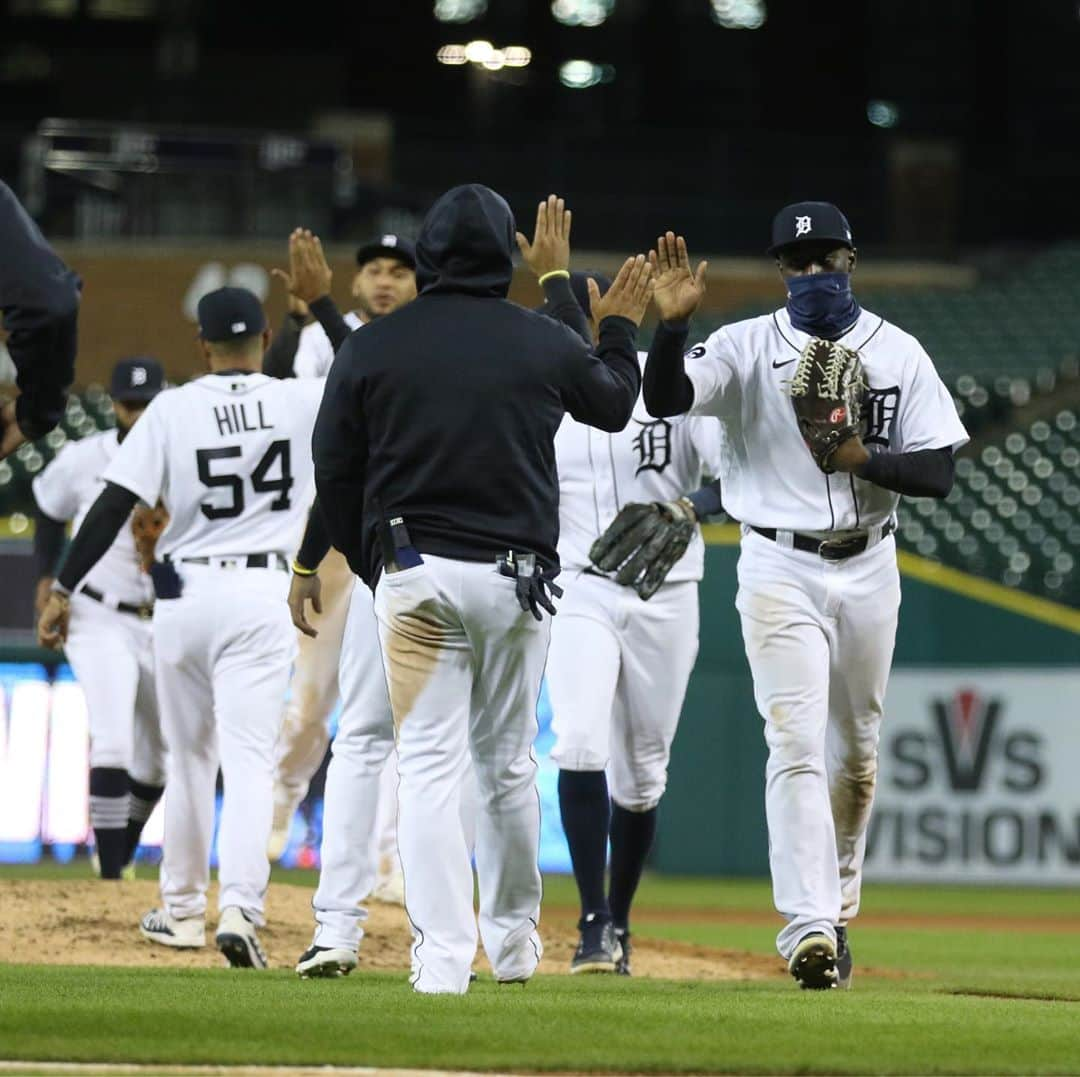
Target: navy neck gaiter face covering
[822,304]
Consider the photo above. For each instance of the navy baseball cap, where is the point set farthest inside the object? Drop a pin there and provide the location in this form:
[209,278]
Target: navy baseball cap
[388,245]
[806,221]
[230,313]
[137,378]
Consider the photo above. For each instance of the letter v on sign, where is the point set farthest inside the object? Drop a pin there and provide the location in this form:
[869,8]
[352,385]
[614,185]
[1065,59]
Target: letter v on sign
[966,724]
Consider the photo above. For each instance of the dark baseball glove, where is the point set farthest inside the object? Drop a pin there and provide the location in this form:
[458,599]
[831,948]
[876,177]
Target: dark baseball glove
[146,525]
[643,542]
[827,390]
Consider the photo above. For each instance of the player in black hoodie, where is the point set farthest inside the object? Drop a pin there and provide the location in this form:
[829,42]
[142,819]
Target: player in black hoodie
[435,466]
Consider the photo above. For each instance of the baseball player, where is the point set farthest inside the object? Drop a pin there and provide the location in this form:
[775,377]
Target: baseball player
[39,298]
[109,644]
[228,455]
[450,512]
[362,752]
[385,279]
[618,665]
[819,590]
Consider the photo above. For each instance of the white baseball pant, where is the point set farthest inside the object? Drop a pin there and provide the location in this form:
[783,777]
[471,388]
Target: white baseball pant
[112,656]
[360,757]
[319,676]
[617,673]
[463,666]
[819,637]
[223,651]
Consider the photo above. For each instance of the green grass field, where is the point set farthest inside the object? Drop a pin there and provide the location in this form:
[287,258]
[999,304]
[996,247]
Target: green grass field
[971,981]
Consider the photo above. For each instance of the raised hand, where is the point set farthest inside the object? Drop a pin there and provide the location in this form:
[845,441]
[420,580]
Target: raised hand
[309,277]
[678,291]
[629,294]
[550,247]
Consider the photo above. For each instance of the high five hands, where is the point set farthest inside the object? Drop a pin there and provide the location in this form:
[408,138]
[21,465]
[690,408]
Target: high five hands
[678,291]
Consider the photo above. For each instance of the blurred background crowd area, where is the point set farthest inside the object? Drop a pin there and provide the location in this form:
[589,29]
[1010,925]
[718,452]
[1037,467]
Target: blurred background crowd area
[168,147]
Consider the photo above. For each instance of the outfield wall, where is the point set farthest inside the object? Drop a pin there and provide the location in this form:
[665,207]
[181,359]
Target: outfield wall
[979,752]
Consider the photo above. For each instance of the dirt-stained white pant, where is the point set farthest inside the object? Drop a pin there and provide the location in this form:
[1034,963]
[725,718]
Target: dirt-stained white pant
[617,673]
[463,666]
[819,636]
[112,656]
[318,678]
[222,656]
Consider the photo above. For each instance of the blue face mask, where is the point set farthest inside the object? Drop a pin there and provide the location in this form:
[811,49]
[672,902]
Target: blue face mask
[822,305]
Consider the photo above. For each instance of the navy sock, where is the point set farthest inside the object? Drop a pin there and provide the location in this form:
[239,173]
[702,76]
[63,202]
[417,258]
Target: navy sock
[109,818]
[141,804]
[632,834]
[586,813]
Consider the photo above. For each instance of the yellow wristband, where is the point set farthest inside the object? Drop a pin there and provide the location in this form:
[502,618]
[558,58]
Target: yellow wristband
[555,273]
[301,571]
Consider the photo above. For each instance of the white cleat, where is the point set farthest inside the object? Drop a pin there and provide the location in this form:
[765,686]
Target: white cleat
[187,934]
[237,939]
[326,962]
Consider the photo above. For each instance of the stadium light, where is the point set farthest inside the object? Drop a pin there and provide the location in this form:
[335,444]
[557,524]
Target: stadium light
[459,10]
[738,14]
[582,74]
[452,54]
[882,113]
[582,12]
[484,54]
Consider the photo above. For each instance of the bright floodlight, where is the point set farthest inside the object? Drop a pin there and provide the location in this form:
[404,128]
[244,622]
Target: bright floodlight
[459,10]
[479,52]
[882,113]
[582,12]
[739,14]
[517,56]
[581,74]
[452,54]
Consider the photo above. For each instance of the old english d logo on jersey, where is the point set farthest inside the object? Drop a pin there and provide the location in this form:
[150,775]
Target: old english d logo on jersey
[966,724]
[879,411]
[653,445]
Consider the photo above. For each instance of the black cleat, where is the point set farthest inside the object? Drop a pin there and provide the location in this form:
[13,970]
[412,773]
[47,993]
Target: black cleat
[598,949]
[325,962]
[844,964]
[813,964]
[622,966]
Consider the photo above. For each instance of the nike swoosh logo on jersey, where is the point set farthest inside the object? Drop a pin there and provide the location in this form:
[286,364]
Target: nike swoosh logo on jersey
[787,362]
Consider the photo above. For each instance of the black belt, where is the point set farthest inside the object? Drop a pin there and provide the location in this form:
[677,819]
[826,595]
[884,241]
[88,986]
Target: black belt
[251,560]
[829,549]
[143,612]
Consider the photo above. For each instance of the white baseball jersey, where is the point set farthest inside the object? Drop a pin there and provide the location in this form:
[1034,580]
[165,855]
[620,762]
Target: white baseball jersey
[315,353]
[769,477]
[67,488]
[650,460]
[229,455]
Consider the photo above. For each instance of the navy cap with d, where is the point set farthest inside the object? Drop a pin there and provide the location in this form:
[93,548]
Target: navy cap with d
[803,222]
[388,245]
[230,313]
[137,378]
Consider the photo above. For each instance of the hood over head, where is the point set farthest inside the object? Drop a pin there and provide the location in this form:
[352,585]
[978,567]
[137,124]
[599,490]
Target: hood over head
[466,244]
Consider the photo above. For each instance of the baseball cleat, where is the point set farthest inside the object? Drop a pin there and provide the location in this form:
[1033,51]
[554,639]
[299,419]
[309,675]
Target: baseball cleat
[187,934]
[844,963]
[326,962]
[237,939]
[622,966]
[598,949]
[813,964]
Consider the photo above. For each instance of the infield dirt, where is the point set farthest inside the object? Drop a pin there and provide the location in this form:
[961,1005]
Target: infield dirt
[91,922]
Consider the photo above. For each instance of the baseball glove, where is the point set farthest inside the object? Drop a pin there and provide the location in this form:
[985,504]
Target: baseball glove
[643,542]
[827,390]
[146,525]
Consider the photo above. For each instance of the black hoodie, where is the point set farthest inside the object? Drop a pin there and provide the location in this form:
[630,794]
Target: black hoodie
[445,411]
